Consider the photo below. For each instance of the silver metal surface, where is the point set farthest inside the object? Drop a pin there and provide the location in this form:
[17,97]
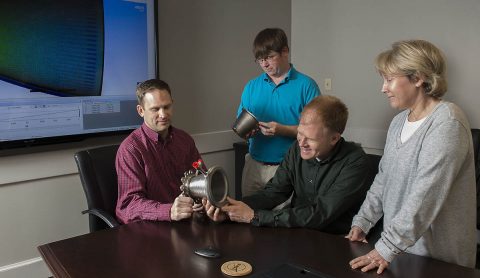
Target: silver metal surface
[245,124]
[212,185]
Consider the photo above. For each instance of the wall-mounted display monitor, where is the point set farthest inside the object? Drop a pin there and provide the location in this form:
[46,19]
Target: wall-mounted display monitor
[68,69]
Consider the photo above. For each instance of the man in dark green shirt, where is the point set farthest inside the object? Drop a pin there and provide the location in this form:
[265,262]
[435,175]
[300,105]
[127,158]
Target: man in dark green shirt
[326,174]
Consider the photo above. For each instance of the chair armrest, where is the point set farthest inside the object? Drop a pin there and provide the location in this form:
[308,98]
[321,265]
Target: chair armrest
[105,216]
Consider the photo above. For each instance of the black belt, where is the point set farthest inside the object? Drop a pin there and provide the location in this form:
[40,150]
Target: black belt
[270,163]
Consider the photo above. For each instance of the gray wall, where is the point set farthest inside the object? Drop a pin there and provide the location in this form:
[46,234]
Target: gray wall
[205,55]
[340,39]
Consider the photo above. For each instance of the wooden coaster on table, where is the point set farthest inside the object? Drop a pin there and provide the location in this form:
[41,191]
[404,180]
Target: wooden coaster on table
[236,268]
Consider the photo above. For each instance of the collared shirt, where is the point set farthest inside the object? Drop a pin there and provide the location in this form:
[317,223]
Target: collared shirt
[149,172]
[326,194]
[281,103]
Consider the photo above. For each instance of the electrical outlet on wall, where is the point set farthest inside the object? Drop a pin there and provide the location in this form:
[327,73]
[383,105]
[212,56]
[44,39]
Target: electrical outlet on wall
[328,84]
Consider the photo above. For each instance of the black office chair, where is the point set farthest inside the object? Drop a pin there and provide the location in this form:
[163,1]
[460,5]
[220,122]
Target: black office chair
[373,161]
[99,180]
[476,156]
[476,150]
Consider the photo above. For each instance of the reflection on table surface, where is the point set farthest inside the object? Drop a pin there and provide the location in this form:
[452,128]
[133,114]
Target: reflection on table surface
[166,249]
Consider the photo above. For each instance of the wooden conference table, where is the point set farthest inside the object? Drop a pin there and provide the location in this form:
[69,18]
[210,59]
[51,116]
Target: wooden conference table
[164,249]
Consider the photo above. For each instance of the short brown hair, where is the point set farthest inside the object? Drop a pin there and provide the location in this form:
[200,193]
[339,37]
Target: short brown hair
[150,85]
[268,40]
[330,110]
[416,59]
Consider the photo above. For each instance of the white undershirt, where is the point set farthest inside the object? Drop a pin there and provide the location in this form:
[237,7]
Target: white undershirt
[409,128]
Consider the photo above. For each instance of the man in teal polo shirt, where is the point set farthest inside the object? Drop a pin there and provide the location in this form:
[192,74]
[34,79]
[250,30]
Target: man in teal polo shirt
[326,176]
[276,98]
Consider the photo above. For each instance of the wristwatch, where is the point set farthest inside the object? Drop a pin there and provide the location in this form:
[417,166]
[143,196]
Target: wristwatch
[255,220]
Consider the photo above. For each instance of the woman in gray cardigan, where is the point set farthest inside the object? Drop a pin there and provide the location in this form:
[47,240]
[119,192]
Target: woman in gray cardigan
[425,186]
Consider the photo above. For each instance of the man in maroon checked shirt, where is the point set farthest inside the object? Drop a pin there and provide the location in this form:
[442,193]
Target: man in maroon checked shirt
[151,161]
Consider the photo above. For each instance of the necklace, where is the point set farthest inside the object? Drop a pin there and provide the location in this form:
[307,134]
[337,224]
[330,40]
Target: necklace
[413,116]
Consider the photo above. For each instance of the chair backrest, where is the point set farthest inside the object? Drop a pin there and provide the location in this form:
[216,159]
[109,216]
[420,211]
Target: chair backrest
[476,150]
[99,180]
[374,161]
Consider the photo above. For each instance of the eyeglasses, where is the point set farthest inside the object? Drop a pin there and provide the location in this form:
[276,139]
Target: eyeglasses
[268,59]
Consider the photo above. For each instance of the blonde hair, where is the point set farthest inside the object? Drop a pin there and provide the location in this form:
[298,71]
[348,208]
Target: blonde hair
[416,59]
